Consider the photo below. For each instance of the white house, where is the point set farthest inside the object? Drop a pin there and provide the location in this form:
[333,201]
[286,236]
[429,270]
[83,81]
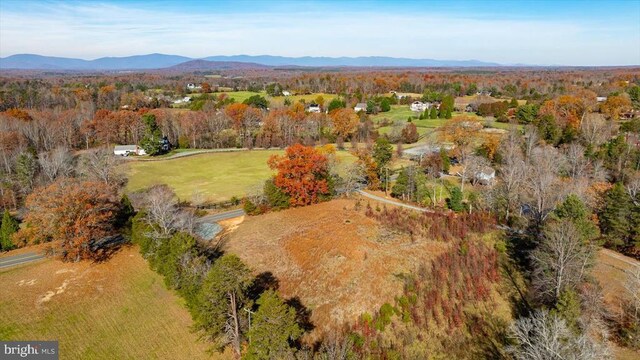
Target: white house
[286,93]
[126,150]
[360,107]
[313,108]
[192,86]
[419,106]
[601,98]
[485,176]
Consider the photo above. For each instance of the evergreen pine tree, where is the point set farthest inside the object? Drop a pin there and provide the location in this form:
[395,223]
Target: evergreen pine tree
[273,327]
[152,137]
[433,114]
[454,202]
[616,215]
[7,229]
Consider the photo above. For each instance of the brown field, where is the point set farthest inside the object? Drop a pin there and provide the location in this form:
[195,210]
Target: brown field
[114,310]
[338,262]
[610,272]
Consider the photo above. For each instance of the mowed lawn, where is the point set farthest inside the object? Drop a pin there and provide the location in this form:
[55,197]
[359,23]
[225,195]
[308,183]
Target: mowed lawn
[119,309]
[212,176]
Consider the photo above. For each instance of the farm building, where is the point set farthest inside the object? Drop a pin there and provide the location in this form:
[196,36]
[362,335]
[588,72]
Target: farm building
[420,106]
[126,150]
[601,98]
[360,107]
[485,176]
[313,108]
[286,93]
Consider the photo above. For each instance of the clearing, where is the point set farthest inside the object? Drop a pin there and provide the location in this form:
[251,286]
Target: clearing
[119,309]
[335,259]
[211,176]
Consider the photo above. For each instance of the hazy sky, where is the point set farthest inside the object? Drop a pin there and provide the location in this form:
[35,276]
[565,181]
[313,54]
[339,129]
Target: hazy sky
[531,32]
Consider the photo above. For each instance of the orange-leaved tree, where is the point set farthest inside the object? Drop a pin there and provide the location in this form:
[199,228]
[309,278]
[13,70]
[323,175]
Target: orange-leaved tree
[72,212]
[303,174]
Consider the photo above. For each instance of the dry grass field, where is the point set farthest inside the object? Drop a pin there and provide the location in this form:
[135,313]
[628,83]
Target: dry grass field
[119,309]
[610,271]
[337,261]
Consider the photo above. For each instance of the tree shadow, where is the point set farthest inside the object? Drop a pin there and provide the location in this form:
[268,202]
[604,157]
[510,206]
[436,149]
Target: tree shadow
[106,247]
[263,282]
[303,316]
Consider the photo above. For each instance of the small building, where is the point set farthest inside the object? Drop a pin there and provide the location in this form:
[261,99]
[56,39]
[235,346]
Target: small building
[192,86]
[485,176]
[286,93]
[126,150]
[185,99]
[360,107]
[420,106]
[400,96]
[601,98]
[314,108]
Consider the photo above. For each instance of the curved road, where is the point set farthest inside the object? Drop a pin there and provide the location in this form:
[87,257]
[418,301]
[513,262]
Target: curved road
[11,261]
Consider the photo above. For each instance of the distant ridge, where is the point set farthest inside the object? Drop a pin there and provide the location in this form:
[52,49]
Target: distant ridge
[204,65]
[161,61]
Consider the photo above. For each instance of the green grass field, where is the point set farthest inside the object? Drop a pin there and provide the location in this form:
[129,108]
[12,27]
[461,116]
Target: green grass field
[216,176]
[118,309]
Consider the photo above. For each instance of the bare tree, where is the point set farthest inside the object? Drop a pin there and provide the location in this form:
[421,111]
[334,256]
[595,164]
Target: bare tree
[633,187]
[577,164]
[543,188]
[57,163]
[560,261]
[352,176]
[632,287]
[547,337]
[595,129]
[335,347]
[101,165]
[531,140]
[162,210]
[474,166]
[512,171]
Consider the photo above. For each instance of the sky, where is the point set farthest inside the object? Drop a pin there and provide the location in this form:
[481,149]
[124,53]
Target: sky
[537,32]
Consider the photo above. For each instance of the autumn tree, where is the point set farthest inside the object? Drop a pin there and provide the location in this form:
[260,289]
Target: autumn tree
[303,175]
[72,213]
[461,131]
[615,105]
[410,133]
[345,122]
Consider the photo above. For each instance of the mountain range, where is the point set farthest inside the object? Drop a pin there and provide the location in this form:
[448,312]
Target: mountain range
[162,61]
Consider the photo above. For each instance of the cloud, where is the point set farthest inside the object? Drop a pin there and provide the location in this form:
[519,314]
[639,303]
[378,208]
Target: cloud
[96,30]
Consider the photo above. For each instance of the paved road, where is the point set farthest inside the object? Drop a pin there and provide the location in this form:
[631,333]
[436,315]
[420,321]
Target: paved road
[191,153]
[222,216]
[387,201]
[10,261]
